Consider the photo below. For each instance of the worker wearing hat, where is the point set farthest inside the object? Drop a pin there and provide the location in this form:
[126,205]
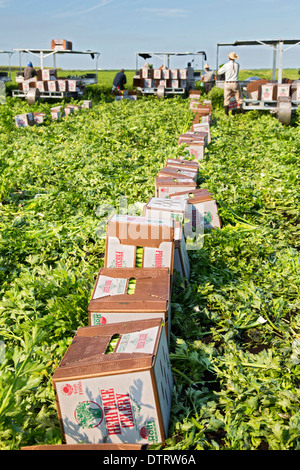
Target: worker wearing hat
[208,78]
[231,86]
[29,71]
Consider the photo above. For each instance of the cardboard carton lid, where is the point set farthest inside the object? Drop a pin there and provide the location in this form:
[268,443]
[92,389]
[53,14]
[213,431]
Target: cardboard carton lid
[86,356]
[165,181]
[194,196]
[175,173]
[191,164]
[163,204]
[147,231]
[152,291]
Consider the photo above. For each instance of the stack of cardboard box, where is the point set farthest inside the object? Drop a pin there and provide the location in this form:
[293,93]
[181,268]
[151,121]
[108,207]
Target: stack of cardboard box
[153,78]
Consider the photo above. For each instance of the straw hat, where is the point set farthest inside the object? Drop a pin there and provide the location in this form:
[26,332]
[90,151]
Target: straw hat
[233,56]
[206,66]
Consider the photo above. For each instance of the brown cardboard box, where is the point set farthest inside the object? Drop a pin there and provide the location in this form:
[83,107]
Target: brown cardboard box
[62,85]
[42,85]
[157,74]
[119,397]
[103,447]
[170,172]
[52,85]
[124,234]
[253,88]
[165,74]
[283,90]
[201,208]
[174,74]
[46,74]
[193,136]
[191,165]
[56,112]
[151,297]
[166,186]
[268,92]
[87,104]
[39,118]
[174,83]
[24,120]
[61,44]
[163,208]
[183,74]
[72,86]
[203,127]
[295,90]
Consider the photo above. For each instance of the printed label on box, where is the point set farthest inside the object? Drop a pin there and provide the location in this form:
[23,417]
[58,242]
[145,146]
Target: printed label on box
[138,341]
[109,286]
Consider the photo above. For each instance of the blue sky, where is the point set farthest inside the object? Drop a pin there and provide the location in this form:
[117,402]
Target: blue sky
[120,28]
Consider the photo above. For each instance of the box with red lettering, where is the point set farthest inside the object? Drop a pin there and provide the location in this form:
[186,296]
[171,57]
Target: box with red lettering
[135,241]
[114,384]
[124,294]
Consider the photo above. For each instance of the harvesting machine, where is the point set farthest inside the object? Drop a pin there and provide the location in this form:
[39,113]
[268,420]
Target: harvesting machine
[281,104]
[34,93]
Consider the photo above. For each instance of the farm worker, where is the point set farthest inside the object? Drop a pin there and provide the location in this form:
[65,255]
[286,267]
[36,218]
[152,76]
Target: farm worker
[29,71]
[231,70]
[190,80]
[208,78]
[119,81]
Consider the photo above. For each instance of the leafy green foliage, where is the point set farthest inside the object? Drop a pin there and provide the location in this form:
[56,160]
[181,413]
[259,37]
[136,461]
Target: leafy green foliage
[235,344]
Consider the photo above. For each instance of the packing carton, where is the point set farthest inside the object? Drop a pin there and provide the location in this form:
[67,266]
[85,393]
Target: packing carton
[172,172]
[157,74]
[42,85]
[127,235]
[201,208]
[182,83]
[124,294]
[192,136]
[52,85]
[62,85]
[174,83]
[165,74]
[283,90]
[46,74]
[24,120]
[174,74]
[166,186]
[72,86]
[268,92]
[183,74]
[203,127]
[86,104]
[191,165]
[57,112]
[61,44]
[172,209]
[295,90]
[121,397]
[39,117]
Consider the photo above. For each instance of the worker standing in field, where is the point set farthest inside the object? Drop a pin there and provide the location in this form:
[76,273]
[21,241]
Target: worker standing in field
[208,78]
[231,86]
[29,71]
[190,77]
[119,81]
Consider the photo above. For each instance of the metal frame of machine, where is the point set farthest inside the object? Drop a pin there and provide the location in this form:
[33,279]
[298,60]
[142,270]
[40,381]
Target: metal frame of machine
[283,108]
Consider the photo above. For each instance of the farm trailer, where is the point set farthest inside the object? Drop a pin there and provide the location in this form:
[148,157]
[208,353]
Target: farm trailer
[33,94]
[161,90]
[282,107]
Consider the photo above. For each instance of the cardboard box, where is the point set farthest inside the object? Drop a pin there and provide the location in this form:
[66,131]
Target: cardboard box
[174,74]
[182,83]
[166,186]
[24,120]
[201,208]
[57,112]
[46,74]
[121,397]
[175,210]
[61,45]
[295,90]
[193,136]
[163,83]
[157,74]
[125,234]
[183,74]
[165,74]
[191,165]
[62,85]
[253,88]
[172,172]
[268,92]
[103,447]
[87,104]
[42,85]
[203,127]
[72,86]
[283,90]
[146,72]
[52,85]
[148,83]
[150,296]
[39,118]
[174,83]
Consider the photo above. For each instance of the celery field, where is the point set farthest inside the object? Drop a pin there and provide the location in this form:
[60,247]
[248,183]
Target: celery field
[235,340]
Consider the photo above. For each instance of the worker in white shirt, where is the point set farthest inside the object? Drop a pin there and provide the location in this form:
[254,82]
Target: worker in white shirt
[231,86]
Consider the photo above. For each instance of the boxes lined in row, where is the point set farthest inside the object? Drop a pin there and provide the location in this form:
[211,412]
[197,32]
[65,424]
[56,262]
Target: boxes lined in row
[155,83]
